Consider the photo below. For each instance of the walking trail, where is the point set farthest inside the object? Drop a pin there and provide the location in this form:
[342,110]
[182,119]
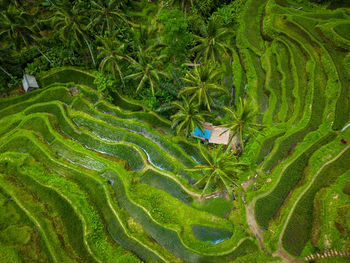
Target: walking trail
[253,225]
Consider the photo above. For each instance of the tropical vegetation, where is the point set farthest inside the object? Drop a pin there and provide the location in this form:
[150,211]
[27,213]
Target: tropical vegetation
[100,163]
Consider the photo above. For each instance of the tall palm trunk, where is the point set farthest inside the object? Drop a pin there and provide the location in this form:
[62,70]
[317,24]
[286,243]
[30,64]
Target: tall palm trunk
[228,79]
[44,55]
[92,56]
[241,136]
[8,74]
[114,73]
[121,75]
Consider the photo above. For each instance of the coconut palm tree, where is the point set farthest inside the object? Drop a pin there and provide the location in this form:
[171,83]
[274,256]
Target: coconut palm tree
[146,38]
[212,43]
[105,15]
[71,22]
[147,68]
[202,85]
[184,5]
[187,118]
[111,52]
[222,168]
[242,121]
[6,54]
[16,26]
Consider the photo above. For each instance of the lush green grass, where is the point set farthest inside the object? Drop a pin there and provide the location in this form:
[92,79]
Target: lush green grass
[218,206]
[15,228]
[65,75]
[58,93]
[290,177]
[147,117]
[52,129]
[299,227]
[287,82]
[87,177]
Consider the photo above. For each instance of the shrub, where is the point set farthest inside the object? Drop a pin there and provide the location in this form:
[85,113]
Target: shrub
[175,34]
[229,14]
[105,85]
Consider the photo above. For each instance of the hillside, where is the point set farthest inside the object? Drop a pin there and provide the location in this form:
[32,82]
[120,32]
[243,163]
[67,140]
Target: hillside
[85,180]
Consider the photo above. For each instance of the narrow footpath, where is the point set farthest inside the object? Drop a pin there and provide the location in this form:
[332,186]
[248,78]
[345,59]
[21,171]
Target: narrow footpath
[258,232]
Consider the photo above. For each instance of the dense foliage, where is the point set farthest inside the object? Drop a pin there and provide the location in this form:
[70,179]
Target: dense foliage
[103,152]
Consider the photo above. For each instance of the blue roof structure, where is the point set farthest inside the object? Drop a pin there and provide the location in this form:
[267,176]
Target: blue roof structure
[198,133]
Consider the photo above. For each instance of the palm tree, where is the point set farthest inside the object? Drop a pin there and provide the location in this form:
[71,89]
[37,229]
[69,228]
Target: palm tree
[6,54]
[105,14]
[147,68]
[242,121]
[222,168]
[183,4]
[16,27]
[146,38]
[187,118]
[212,42]
[71,23]
[202,85]
[111,52]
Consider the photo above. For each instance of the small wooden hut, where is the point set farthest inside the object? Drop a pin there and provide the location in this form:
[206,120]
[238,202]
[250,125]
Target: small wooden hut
[212,134]
[29,83]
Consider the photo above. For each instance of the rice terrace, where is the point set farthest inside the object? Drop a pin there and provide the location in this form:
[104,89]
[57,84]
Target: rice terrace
[175,131]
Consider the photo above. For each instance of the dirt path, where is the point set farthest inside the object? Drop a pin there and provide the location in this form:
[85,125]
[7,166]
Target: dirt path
[253,225]
[250,216]
[302,194]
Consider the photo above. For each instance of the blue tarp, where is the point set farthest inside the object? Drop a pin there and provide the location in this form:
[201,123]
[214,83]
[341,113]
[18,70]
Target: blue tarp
[199,133]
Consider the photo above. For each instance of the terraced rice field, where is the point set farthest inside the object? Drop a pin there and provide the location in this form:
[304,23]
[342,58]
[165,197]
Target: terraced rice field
[82,180]
[93,181]
[300,157]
